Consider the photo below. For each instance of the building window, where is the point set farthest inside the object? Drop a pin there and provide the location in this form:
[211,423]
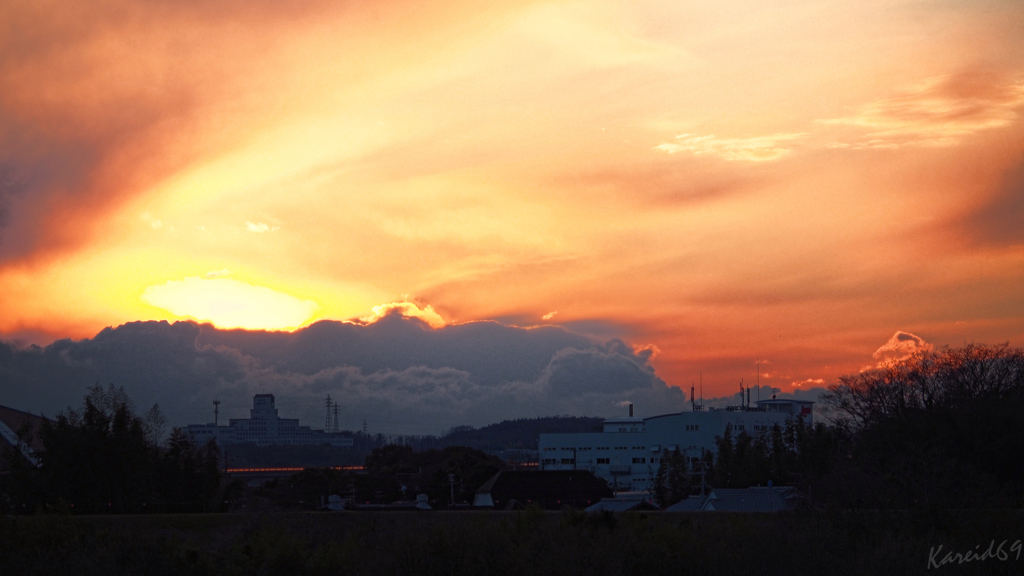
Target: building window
[639,460]
[568,461]
[603,460]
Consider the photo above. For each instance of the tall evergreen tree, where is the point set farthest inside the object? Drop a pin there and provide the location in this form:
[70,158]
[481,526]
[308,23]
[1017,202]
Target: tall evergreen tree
[103,458]
[672,481]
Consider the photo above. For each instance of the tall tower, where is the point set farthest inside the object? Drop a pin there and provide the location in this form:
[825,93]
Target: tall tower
[216,411]
[329,424]
[337,425]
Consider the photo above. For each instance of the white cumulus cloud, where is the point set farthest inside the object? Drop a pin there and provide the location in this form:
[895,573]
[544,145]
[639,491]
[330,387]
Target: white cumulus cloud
[902,345]
[408,310]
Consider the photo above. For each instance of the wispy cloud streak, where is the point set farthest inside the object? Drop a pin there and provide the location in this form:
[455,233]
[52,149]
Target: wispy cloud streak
[941,111]
[756,149]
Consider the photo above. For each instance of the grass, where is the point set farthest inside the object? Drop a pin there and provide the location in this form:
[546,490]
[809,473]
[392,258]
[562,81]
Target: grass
[500,543]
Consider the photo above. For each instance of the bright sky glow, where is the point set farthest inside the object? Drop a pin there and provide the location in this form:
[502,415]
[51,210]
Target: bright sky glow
[229,303]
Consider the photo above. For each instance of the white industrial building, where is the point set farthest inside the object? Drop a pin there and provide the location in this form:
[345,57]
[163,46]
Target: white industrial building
[263,427]
[628,450]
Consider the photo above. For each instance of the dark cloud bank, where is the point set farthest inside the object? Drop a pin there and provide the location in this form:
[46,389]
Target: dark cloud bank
[397,374]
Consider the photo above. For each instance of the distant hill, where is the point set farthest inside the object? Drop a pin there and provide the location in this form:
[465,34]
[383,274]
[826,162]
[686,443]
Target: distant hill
[520,434]
[510,439]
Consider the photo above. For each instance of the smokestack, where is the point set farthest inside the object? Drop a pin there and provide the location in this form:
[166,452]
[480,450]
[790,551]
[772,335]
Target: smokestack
[630,409]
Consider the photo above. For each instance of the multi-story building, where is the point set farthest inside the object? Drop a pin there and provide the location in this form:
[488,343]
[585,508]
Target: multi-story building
[628,451]
[263,427]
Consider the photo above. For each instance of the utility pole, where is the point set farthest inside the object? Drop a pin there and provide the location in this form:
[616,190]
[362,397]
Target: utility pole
[328,425]
[700,376]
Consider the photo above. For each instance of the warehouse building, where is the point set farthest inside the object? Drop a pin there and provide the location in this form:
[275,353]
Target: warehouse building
[627,452]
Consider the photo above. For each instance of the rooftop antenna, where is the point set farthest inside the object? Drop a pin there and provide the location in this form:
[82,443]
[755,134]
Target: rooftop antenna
[759,379]
[216,411]
[693,402]
[741,391]
[700,375]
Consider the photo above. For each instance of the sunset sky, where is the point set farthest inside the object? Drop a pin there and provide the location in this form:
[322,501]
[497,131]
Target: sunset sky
[716,182]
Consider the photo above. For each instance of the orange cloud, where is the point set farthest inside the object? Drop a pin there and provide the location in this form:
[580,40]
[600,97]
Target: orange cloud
[808,381]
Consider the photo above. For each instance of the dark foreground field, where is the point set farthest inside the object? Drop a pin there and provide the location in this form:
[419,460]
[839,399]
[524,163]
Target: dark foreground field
[528,542]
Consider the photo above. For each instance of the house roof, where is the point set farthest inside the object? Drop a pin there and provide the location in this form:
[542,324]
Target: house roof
[755,499]
[11,422]
[546,487]
[691,504]
[621,505]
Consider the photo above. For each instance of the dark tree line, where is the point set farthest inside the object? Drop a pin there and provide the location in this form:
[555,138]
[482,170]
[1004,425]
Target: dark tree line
[104,458]
[785,455]
[942,429]
[939,429]
[796,453]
